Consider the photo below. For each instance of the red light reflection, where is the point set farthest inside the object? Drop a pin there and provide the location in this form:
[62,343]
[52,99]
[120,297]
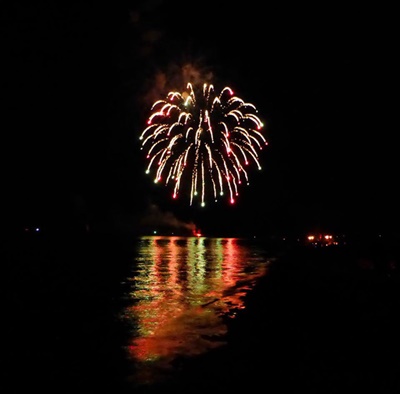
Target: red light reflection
[181,289]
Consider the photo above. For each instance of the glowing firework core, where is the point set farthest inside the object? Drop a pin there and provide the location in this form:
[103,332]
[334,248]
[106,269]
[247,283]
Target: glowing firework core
[203,140]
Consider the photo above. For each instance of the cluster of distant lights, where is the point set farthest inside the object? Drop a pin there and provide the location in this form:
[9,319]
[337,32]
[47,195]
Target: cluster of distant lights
[322,240]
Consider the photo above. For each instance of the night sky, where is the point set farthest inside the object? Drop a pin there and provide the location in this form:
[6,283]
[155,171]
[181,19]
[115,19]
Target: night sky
[78,80]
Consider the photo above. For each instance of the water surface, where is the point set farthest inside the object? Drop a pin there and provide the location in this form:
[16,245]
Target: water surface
[93,312]
[180,292]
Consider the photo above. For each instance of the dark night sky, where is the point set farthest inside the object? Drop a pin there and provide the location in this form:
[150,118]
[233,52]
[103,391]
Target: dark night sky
[76,84]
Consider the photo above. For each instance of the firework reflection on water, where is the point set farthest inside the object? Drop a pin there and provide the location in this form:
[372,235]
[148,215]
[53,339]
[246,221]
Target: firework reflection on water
[180,293]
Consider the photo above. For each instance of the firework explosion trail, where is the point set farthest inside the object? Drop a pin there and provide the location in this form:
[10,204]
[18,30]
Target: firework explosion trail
[203,141]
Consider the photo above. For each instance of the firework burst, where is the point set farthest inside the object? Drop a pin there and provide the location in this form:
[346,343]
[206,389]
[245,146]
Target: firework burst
[200,142]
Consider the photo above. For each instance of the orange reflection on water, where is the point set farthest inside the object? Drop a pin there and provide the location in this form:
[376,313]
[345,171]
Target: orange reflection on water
[181,289]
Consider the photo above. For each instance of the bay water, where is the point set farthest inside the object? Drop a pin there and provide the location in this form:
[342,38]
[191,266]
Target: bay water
[97,312]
